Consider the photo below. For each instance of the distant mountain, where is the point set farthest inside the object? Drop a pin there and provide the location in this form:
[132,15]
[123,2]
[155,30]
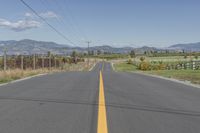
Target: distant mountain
[28,46]
[109,49]
[141,50]
[186,47]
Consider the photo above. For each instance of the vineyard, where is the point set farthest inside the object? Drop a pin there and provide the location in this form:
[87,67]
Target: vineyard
[36,61]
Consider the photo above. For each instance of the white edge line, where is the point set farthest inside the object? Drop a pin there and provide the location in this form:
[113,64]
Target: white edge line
[170,79]
[92,67]
[112,66]
[26,78]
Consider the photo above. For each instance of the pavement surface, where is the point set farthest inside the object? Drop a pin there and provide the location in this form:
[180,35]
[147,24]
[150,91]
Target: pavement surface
[69,103]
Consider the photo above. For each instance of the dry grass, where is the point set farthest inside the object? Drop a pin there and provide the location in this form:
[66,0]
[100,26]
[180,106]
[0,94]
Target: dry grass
[81,66]
[10,75]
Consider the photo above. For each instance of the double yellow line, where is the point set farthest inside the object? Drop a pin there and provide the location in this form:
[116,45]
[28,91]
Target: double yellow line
[102,120]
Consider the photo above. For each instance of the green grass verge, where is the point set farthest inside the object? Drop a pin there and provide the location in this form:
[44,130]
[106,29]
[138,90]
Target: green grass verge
[189,75]
[124,67]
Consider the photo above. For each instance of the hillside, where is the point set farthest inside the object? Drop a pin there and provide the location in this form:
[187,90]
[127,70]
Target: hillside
[187,47]
[28,46]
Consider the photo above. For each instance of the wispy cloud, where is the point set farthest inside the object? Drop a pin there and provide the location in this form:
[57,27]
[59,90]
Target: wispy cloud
[29,22]
[47,15]
[19,25]
[27,14]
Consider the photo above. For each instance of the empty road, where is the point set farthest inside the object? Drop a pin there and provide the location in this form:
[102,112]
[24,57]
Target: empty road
[74,102]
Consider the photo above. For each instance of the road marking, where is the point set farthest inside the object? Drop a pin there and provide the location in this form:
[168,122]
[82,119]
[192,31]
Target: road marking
[102,120]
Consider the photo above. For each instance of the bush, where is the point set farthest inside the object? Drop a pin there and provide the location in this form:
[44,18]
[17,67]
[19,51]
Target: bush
[129,61]
[142,59]
[144,66]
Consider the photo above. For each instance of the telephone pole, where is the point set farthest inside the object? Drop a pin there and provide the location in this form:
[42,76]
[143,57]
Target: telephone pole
[88,61]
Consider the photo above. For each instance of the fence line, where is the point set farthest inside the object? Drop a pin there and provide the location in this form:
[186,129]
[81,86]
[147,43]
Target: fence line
[34,61]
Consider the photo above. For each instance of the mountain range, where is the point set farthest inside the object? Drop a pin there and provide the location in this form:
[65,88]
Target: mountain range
[28,46]
[187,47]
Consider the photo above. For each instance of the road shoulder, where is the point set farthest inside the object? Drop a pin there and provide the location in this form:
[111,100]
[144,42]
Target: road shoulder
[188,83]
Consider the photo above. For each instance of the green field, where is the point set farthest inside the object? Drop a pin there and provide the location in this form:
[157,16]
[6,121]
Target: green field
[111,56]
[169,59]
[124,67]
[186,75]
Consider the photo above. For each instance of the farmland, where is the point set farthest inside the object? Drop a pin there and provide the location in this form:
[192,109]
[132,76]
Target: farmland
[181,68]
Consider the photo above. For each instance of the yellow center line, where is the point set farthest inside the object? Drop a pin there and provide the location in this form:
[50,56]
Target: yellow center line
[102,120]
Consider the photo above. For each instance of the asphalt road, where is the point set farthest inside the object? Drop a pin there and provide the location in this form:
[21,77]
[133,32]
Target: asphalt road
[68,103]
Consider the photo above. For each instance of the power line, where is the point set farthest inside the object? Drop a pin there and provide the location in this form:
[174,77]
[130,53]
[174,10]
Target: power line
[60,20]
[51,26]
[74,20]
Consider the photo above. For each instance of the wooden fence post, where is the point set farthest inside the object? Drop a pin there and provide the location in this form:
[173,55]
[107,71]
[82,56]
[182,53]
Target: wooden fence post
[55,62]
[34,62]
[42,62]
[22,62]
[49,53]
[193,65]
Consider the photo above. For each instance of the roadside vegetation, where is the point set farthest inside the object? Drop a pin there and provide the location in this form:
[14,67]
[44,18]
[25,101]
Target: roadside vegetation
[10,75]
[184,67]
[186,75]
[111,56]
[14,74]
[124,67]
[21,66]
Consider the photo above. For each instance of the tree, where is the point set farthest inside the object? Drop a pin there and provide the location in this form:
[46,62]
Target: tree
[98,52]
[132,54]
[74,56]
[142,59]
[196,57]
[185,56]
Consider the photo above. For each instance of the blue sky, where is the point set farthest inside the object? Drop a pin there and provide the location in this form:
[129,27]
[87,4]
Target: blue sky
[118,23]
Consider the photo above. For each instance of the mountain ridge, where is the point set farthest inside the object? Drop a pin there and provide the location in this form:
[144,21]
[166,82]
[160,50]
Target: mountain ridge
[28,46]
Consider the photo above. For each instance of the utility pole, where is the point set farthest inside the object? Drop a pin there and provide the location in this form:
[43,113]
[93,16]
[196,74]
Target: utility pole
[88,61]
[4,62]
[42,61]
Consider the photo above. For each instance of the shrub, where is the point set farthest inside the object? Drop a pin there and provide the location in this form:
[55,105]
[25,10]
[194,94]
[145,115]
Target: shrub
[144,66]
[142,59]
[129,61]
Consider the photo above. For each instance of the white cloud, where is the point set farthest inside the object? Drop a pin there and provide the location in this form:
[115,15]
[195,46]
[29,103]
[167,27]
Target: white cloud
[48,14]
[20,25]
[28,14]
